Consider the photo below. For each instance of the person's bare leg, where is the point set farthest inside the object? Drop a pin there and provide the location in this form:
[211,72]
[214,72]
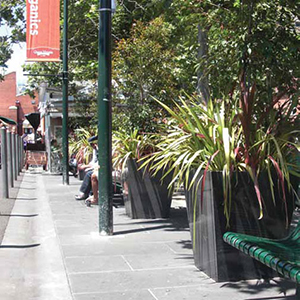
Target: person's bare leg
[95,188]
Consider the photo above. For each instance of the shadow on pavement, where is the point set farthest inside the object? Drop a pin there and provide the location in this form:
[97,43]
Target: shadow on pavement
[186,244]
[18,215]
[282,285]
[6,205]
[176,222]
[274,298]
[19,246]
[140,229]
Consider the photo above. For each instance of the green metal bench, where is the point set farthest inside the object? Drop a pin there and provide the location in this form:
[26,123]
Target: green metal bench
[282,255]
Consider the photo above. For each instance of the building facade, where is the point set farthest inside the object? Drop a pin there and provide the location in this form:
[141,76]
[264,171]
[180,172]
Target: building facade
[15,106]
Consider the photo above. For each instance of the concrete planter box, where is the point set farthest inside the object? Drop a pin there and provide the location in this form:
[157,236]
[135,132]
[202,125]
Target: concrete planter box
[147,197]
[213,256]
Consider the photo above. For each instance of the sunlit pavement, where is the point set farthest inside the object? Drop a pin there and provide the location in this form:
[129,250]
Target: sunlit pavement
[52,250]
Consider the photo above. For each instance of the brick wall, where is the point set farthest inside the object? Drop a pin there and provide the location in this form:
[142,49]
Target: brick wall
[8,90]
[9,98]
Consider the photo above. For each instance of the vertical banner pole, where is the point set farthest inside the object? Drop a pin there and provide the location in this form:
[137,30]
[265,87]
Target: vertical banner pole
[22,154]
[18,154]
[15,159]
[104,119]
[48,141]
[65,143]
[10,159]
[4,163]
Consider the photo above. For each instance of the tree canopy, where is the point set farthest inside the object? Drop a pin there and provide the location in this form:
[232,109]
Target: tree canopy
[12,16]
[162,47]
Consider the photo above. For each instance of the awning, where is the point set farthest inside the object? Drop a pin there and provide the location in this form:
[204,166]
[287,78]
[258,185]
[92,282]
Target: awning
[34,120]
[8,121]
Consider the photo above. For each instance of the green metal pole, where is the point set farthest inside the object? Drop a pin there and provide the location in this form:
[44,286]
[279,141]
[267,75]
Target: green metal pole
[14,137]
[18,153]
[65,142]
[104,119]
[5,190]
[10,159]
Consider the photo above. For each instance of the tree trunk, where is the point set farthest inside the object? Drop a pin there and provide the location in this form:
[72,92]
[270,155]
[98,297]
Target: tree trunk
[202,85]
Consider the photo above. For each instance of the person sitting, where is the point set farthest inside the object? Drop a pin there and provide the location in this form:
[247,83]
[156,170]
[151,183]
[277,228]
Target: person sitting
[86,185]
[91,164]
[93,199]
[73,165]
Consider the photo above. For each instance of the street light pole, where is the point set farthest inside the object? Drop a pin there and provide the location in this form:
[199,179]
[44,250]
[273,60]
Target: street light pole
[104,119]
[65,142]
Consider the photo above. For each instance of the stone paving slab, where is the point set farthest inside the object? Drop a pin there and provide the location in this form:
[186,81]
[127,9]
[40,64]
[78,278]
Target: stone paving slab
[181,246]
[145,259]
[52,250]
[90,264]
[128,295]
[121,247]
[135,280]
[218,291]
[30,260]
[163,260]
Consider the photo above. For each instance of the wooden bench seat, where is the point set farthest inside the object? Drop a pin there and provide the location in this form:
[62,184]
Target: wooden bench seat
[281,255]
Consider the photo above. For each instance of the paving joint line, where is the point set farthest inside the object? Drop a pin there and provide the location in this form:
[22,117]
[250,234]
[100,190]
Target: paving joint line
[134,270]
[127,262]
[152,294]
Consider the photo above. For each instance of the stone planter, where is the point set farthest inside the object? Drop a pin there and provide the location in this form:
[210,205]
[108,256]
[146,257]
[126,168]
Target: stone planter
[147,197]
[217,259]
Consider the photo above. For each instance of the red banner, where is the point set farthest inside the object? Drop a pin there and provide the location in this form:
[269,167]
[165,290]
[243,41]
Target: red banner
[43,34]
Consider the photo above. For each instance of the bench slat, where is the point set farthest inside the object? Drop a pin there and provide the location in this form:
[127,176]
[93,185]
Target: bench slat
[281,255]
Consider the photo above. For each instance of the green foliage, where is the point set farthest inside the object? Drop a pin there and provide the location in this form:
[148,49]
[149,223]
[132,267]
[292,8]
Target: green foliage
[11,15]
[144,66]
[128,12]
[156,53]
[254,38]
[5,51]
[195,135]
[40,68]
[134,145]
[225,136]
[78,144]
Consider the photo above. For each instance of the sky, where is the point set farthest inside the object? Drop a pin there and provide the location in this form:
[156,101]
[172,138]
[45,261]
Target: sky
[18,58]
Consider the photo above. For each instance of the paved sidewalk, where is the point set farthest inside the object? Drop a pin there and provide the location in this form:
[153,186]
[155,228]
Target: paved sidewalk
[51,250]
[6,205]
